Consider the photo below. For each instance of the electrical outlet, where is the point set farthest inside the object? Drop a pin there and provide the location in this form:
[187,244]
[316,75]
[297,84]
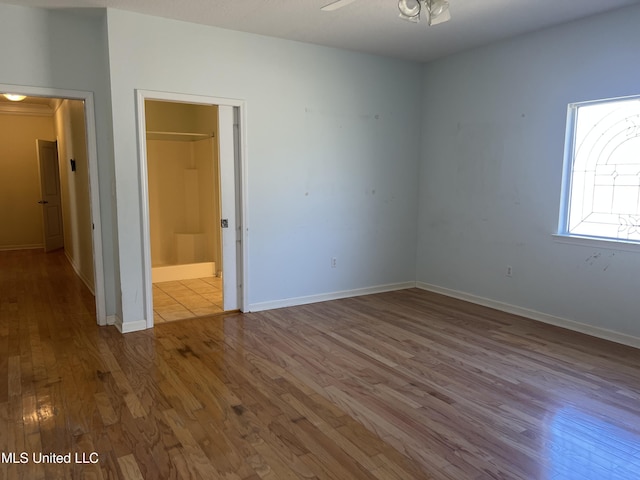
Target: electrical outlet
[334,262]
[509,271]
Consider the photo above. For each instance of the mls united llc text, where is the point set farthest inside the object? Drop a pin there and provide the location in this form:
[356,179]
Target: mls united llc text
[39,457]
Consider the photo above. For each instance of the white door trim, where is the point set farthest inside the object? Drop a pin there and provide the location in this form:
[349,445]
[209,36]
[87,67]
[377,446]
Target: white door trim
[241,182]
[94,189]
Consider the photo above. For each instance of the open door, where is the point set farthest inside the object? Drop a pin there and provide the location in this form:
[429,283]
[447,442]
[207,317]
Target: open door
[228,139]
[50,197]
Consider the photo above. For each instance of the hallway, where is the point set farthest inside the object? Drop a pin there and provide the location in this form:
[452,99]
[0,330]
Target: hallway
[42,288]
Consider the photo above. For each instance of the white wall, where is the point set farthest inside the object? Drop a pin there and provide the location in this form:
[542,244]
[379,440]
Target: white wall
[65,50]
[170,183]
[69,122]
[205,155]
[332,145]
[166,164]
[492,155]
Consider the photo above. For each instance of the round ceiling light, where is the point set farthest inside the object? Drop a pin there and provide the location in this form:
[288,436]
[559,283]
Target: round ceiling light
[14,97]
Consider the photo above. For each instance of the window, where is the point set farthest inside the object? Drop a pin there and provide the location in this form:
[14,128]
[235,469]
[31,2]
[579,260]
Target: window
[601,196]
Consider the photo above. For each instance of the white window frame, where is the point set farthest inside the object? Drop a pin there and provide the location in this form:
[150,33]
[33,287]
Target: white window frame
[564,234]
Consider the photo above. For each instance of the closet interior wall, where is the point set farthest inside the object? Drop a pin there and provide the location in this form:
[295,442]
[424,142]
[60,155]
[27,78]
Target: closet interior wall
[184,200]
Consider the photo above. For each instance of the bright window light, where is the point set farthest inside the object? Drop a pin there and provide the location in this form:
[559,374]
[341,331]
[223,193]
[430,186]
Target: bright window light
[581,446]
[602,170]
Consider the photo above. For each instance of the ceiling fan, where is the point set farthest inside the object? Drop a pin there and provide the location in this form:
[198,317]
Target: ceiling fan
[431,11]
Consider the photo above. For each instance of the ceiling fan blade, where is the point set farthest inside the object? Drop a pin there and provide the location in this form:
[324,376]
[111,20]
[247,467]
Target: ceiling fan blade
[336,5]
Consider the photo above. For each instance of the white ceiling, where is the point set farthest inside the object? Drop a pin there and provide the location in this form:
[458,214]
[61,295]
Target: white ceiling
[370,26]
[30,105]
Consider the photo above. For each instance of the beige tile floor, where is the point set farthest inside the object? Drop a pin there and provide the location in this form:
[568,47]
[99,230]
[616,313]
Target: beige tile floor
[177,300]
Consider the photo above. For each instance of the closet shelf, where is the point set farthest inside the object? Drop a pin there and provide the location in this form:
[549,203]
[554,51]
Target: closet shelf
[178,136]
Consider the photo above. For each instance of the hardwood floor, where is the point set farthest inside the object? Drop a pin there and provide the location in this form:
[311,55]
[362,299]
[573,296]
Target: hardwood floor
[402,385]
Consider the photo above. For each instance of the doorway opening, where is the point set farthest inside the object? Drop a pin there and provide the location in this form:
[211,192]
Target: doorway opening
[183,176]
[49,176]
[191,186]
[51,200]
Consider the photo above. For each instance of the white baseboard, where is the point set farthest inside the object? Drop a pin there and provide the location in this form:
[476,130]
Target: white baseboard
[112,320]
[324,297]
[598,332]
[21,247]
[80,274]
[128,327]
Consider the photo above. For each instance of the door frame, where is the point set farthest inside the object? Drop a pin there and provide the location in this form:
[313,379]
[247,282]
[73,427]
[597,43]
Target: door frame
[240,164]
[94,185]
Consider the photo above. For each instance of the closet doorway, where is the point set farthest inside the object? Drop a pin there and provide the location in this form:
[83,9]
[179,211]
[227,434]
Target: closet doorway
[190,171]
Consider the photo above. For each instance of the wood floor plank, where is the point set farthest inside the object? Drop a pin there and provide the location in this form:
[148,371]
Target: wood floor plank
[395,386]
[14,376]
[190,447]
[129,468]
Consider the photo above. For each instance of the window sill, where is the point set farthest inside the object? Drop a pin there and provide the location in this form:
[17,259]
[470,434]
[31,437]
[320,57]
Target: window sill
[597,242]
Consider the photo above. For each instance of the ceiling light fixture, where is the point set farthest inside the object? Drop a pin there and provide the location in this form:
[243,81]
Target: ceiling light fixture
[336,5]
[14,97]
[433,11]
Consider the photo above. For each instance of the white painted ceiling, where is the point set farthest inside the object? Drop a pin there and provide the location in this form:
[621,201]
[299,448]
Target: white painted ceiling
[30,105]
[28,100]
[370,26]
